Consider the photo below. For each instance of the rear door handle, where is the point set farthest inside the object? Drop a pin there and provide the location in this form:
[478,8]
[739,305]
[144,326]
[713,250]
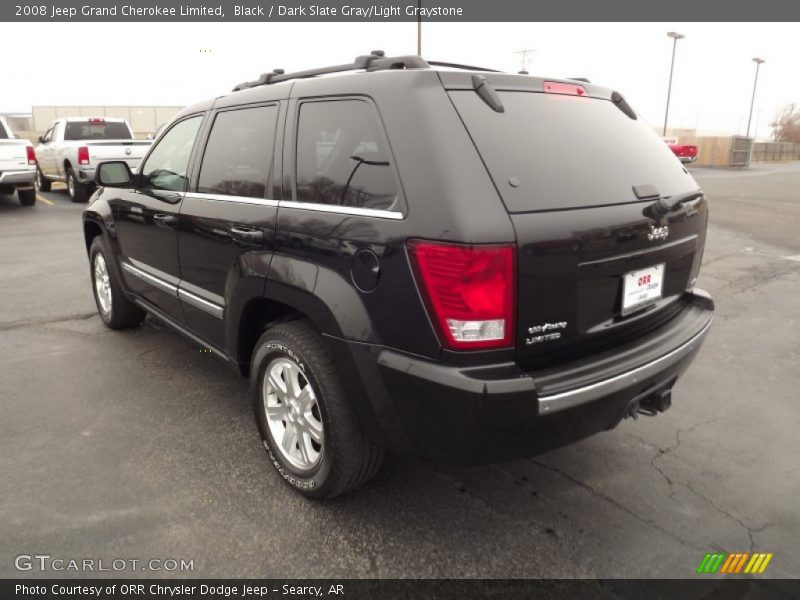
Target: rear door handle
[245,235]
[166,221]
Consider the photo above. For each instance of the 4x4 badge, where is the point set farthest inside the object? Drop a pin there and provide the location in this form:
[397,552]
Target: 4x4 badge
[658,233]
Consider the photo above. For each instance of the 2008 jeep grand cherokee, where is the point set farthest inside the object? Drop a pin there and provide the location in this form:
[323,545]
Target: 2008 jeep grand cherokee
[447,261]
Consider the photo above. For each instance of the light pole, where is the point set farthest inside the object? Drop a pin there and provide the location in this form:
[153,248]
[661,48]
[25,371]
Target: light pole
[525,57]
[675,37]
[419,27]
[758,62]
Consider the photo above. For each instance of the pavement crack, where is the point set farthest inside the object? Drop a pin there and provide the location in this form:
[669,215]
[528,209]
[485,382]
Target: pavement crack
[612,501]
[35,323]
[661,452]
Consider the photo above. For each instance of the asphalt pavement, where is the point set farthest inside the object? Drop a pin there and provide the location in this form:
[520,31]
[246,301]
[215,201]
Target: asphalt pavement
[137,445]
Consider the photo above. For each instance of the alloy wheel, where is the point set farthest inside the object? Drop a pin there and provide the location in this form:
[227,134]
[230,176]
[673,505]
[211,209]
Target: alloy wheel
[293,414]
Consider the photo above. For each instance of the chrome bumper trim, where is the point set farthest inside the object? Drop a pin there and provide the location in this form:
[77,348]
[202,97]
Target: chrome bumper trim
[582,395]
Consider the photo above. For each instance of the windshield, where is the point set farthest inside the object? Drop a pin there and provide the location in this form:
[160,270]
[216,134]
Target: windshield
[552,151]
[96,130]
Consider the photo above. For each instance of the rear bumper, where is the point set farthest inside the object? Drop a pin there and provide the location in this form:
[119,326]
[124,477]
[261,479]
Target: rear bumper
[18,178]
[497,412]
[86,174]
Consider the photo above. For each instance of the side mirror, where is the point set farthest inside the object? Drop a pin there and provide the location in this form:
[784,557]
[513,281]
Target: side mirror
[115,173]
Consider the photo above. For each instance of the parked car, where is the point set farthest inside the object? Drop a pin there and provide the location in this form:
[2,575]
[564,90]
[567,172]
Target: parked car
[686,153]
[72,147]
[17,166]
[452,263]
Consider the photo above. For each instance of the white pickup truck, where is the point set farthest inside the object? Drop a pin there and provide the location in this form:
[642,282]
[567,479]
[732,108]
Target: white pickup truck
[17,166]
[72,147]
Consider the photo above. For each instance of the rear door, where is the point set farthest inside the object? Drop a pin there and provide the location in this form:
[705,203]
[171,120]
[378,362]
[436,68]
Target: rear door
[577,175]
[146,218]
[227,221]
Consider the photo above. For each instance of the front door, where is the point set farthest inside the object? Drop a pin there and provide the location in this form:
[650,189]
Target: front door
[146,218]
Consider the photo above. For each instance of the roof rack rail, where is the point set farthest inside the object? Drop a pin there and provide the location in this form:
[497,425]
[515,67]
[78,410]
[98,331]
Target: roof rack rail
[375,61]
[436,63]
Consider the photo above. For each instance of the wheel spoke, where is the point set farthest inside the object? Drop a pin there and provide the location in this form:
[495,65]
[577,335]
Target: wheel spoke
[293,381]
[306,397]
[276,382]
[277,412]
[289,439]
[306,448]
[313,428]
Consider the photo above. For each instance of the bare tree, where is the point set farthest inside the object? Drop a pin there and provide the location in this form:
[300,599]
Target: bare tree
[786,126]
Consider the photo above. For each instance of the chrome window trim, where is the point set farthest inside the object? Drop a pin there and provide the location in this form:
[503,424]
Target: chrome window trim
[229,198]
[210,307]
[156,282]
[329,208]
[344,210]
[565,400]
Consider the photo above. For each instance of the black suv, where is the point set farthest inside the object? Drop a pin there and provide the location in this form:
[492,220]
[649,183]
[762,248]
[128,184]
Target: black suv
[416,256]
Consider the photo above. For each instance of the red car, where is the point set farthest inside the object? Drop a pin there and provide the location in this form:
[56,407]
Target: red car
[686,153]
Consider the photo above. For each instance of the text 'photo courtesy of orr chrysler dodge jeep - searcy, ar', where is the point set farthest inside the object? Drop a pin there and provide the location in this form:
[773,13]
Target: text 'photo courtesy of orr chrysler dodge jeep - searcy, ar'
[415,256]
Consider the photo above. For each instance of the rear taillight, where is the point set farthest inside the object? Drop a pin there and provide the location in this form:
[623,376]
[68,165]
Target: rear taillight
[83,155]
[31,155]
[469,290]
[570,89]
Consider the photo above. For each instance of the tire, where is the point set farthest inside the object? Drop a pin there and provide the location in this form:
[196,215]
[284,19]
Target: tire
[42,182]
[77,191]
[345,458]
[116,311]
[27,197]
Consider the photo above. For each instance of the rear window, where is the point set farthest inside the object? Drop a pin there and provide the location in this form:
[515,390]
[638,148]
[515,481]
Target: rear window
[342,156]
[86,130]
[567,152]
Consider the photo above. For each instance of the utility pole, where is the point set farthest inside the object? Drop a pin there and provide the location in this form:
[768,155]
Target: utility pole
[525,57]
[419,27]
[675,37]
[759,62]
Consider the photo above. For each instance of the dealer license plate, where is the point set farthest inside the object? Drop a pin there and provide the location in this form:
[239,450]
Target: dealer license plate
[642,288]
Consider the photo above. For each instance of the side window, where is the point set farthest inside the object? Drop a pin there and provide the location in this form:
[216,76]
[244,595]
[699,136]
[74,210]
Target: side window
[342,156]
[168,162]
[238,155]
[48,136]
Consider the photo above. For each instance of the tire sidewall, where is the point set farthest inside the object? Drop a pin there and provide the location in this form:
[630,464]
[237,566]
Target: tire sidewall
[71,175]
[312,483]
[99,248]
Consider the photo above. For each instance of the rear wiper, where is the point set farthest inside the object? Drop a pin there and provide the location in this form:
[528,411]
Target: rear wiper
[487,93]
[664,206]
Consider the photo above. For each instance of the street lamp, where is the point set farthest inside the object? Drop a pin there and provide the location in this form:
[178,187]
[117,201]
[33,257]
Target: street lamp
[758,62]
[675,37]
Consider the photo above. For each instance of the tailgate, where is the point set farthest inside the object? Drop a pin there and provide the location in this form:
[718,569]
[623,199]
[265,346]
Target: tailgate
[595,265]
[131,151]
[13,155]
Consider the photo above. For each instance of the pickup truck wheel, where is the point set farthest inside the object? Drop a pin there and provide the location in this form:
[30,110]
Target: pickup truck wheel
[42,182]
[307,426]
[27,197]
[115,309]
[78,192]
